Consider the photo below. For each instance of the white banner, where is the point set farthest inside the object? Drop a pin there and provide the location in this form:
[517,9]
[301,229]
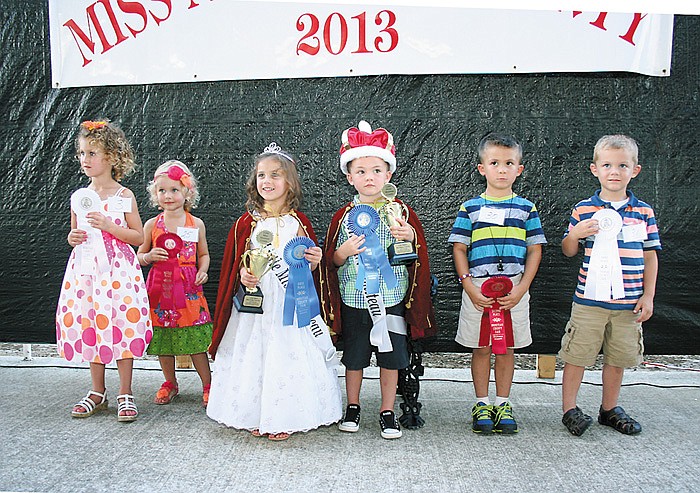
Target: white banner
[116,42]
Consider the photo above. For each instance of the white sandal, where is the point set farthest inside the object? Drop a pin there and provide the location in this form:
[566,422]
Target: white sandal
[126,405]
[90,406]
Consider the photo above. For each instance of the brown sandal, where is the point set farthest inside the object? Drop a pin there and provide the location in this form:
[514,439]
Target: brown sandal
[278,437]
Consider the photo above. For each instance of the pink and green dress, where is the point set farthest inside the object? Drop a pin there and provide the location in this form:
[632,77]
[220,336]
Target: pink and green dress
[186,329]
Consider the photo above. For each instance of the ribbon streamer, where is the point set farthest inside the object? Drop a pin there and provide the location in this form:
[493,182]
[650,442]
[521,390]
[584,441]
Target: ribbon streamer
[300,293]
[91,256]
[604,280]
[496,323]
[364,220]
[317,327]
[165,284]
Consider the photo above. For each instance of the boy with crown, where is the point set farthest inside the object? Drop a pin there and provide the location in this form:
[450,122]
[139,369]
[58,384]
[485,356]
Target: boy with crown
[372,305]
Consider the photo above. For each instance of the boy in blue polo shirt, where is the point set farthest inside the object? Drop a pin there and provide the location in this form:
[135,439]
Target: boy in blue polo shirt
[616,287]
[497,233]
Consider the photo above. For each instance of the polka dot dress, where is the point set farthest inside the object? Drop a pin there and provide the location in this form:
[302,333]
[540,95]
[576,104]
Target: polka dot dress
[104,316]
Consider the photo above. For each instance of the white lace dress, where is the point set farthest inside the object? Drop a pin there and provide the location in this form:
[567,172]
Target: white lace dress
[267,376]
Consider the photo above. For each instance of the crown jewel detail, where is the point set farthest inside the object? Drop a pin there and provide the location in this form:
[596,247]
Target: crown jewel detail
[273,148]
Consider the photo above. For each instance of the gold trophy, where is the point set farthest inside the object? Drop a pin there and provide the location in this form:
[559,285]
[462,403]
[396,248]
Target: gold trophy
[399,252]
[258,261]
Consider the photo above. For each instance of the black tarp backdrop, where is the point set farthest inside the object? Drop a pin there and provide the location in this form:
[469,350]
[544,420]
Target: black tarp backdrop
[218,127]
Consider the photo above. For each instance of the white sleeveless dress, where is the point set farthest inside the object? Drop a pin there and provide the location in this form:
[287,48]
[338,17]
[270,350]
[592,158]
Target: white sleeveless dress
[268,376]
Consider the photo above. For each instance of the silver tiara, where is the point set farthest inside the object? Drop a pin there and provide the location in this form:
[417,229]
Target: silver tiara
[273,148]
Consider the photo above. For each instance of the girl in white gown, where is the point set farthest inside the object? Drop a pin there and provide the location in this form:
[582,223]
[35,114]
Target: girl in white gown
[269,378]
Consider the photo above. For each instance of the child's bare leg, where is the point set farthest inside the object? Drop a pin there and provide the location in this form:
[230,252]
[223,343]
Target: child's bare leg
[388,379]
[353,384]
[97,376]
[201,364]
[612,381]
[167,364]
[504,368]
[570,384]
[481,370]
[125,368]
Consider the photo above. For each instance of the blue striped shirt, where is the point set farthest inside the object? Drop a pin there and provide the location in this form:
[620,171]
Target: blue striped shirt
[634,212]
[490,244]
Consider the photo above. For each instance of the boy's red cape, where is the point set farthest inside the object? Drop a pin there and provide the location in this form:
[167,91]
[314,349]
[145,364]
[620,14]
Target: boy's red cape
[419,306]
[229,277]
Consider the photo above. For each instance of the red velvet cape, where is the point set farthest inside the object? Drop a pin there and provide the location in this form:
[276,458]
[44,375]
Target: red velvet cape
[420,316]
[229,277]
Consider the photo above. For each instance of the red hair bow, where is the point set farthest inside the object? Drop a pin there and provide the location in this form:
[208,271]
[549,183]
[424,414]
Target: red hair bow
[178,174]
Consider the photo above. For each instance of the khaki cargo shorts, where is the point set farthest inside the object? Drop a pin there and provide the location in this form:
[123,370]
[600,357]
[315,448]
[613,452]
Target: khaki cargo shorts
[591,328]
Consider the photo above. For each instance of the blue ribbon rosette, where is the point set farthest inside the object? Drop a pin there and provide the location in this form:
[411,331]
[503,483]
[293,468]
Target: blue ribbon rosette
[364,220]
[300,295]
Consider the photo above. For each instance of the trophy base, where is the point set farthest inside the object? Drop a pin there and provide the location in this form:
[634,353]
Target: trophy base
[248,301]
[401,253]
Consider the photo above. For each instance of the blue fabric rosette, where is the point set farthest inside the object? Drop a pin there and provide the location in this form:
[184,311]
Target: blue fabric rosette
[364,220]
[300,295]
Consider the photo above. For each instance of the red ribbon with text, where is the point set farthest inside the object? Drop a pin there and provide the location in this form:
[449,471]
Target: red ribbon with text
[165,285]
[496,323]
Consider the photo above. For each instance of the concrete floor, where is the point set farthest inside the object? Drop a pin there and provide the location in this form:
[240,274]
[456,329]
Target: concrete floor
[177,448]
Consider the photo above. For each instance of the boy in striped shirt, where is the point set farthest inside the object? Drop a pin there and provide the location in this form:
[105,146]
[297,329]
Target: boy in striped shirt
[601,315]
[497,233]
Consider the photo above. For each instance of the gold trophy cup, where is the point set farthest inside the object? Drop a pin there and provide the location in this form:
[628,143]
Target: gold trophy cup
[399,252]
[258,261]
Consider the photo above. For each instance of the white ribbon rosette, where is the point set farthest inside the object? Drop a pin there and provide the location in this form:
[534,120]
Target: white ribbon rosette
[82,202]
[604,281]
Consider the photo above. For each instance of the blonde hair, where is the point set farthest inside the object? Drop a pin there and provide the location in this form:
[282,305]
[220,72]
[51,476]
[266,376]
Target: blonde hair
[187,179]
[287,163]
[111,139]
[616,142]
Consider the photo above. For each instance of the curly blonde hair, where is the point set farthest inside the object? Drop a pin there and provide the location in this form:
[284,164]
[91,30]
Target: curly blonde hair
[188,181]
[112,140]
[255,201]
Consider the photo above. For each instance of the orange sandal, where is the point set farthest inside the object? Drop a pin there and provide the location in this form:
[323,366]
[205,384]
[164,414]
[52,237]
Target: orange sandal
[205,394]
[167,392]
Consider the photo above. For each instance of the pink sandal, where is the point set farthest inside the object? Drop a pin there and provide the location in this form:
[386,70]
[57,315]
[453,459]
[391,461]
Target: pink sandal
[167,392]
[205,394]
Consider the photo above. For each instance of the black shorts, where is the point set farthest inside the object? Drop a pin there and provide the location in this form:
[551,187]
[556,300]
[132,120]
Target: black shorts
[357,349]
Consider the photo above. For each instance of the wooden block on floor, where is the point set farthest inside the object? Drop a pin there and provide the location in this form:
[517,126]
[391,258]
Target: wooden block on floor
[546,364]
[183,361]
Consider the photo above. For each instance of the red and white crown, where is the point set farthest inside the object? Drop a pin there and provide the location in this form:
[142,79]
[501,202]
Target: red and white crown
[360,141]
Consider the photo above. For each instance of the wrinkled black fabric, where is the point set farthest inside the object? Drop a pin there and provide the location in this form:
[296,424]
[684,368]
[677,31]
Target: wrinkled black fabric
[437,121]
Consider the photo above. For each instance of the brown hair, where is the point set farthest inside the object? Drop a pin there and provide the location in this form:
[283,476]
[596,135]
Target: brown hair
[255,201]
[111,139]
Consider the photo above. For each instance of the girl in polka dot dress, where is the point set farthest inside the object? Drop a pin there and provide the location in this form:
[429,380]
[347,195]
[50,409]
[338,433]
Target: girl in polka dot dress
[102,315]
[179,313]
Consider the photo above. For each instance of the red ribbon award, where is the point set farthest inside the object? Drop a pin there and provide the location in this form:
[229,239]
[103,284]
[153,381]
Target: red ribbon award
[165,285]
[496,324]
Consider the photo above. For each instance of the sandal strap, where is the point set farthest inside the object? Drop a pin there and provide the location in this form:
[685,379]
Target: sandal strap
[88,404]
[127,404]
[618,418]
[166,389]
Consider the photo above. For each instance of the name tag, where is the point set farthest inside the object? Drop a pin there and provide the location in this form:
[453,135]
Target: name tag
[634,232]
[492,215]
[188,234]
[119,204]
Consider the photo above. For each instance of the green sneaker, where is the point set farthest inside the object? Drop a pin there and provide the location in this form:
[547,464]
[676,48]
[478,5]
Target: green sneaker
[481,418]
[503,419]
